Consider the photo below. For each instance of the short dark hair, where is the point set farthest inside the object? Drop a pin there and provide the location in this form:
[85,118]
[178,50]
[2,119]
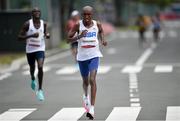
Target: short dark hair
[35,9]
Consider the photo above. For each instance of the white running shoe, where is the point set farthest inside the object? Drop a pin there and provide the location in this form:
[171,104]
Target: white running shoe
[40,95]
[90,114]
[86,103]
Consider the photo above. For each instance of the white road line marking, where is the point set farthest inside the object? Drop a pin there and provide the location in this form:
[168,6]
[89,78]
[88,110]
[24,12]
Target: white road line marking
[52,58]
[136,68]
[4,76]
[104,69]
[15,65]
[132,95]
[124,114]
[163,69]
[72,69]
[173,113]
[68,114]
[57,56]
[67,70]
[144,57]
[45,69]
[133,86]
[131,69]
[111,51]
[15,114]
[132,78]
[130,90]
[135,104]
[133,90]
[133,83]
[134,100]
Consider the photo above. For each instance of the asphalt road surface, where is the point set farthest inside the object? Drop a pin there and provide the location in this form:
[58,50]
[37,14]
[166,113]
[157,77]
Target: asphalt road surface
[135,83]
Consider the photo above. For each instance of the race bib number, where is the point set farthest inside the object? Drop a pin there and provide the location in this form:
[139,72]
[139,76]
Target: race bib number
[36,42]
[88,42]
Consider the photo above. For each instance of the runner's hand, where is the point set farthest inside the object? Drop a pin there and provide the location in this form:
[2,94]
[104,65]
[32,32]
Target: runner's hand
[35,35]
[47,35]
[84,32]
[103,42]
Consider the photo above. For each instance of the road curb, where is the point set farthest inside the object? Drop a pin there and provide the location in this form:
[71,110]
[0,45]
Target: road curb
[16,64]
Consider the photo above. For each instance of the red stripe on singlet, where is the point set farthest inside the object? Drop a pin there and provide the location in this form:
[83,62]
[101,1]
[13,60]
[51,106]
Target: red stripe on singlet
[34,45]
[88,46]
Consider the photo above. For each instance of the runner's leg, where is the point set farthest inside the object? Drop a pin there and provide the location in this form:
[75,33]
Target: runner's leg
[93,86]
[40,71]
[31,62]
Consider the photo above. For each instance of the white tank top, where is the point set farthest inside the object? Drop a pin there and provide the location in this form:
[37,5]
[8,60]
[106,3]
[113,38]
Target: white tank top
[90,39]
[35,44]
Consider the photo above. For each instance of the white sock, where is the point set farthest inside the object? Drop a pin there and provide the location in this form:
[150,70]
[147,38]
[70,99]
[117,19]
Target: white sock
[86,96]
[92,106]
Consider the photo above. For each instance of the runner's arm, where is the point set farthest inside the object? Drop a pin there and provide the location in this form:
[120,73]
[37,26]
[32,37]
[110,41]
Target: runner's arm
[101,34]
[71,33]
[22,34]
[46,34]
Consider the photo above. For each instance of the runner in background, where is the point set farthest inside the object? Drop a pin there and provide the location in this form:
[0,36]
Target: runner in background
[156,23]
[142,27]
[34,32]
[74,18]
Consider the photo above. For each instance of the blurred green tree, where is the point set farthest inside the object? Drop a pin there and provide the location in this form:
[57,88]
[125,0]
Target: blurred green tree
[66,6]
[161,3]
[118,8]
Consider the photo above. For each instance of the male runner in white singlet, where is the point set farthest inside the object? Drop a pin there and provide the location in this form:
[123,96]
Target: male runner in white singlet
[88,54]
[34,31]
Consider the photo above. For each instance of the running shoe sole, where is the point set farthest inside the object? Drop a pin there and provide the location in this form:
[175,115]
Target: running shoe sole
[40,96]
[89,116]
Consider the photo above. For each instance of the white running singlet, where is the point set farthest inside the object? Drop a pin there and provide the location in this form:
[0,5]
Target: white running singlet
[35,44]
[90,39]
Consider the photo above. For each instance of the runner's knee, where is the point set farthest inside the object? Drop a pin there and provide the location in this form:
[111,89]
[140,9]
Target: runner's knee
[92,81]
[40,69]
[40,65]
[32,66]
[85,83]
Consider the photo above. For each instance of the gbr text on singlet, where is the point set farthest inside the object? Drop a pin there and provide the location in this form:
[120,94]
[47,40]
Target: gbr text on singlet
[90,34]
